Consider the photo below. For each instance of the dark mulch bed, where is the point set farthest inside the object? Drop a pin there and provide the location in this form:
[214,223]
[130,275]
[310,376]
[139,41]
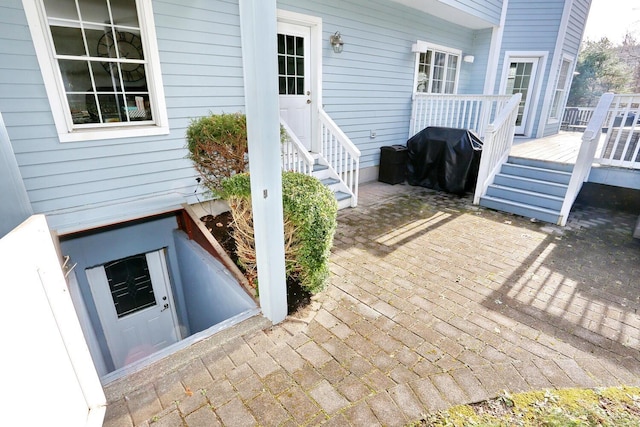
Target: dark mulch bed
[220,228]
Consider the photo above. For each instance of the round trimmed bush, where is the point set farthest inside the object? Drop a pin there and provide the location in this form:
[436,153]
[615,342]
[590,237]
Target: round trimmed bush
[309,211]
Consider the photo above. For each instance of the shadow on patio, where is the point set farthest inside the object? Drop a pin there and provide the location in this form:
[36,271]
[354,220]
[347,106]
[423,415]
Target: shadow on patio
[573,288]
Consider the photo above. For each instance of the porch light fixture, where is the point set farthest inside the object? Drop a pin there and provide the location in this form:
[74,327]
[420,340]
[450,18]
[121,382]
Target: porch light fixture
[336,42]
[469,59]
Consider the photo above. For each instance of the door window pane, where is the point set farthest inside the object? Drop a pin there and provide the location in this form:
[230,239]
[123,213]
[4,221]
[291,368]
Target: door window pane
[518,81]
[130,284]
[291,65]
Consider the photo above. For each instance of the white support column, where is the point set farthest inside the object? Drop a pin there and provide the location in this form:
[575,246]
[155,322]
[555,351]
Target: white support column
[259,60]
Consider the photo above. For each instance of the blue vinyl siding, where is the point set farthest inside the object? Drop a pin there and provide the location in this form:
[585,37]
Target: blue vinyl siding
[574,34]
[369,85]
[201,62]
[489,10]
[570,46]
[532,26]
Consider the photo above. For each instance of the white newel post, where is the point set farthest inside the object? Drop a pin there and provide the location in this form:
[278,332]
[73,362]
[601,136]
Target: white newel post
[259,59]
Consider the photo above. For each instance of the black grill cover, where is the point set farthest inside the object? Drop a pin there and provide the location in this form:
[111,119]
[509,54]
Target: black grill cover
[444,159]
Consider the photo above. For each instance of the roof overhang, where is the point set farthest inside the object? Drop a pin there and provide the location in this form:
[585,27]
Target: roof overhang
[448,13]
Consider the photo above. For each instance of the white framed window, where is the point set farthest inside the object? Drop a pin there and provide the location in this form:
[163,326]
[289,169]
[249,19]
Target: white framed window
[562,89]
[101,68]
[437,68]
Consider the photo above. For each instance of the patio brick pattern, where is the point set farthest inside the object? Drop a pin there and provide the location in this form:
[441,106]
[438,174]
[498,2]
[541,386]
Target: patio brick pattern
[432,302]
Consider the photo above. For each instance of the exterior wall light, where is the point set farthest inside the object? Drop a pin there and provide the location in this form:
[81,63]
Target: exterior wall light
[469,59]
[336,42]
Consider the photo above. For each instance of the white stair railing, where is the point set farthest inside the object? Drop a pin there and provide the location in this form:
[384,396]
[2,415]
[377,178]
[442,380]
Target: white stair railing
[295,156]
[497,143]
[586,154]
[341,155]
[472,112]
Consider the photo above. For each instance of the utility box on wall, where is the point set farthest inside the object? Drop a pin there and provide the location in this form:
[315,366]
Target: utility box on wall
[393,164]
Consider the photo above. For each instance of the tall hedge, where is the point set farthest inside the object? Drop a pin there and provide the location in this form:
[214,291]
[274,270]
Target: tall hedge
[217,146]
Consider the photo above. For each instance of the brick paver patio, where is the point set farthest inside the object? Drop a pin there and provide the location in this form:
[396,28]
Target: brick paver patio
[432,302]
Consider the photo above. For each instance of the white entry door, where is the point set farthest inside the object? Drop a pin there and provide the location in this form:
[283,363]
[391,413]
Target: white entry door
[294,79]
[521,78]
[135,306]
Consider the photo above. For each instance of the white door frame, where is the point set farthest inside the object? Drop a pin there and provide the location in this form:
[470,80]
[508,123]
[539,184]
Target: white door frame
[541,57]
[101,295]
[314,24]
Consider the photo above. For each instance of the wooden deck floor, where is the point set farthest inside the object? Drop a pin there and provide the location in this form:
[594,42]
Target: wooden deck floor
[561,148]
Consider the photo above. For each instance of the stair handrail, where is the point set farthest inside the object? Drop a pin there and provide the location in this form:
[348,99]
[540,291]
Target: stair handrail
[295,156]
[586,155]
[340,154]
[496,145]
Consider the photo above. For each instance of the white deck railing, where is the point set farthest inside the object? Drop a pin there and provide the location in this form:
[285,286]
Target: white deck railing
[472,112]
[586,154]
[620,144]
[498,140]
[295,156]
[341,155]
[576,118]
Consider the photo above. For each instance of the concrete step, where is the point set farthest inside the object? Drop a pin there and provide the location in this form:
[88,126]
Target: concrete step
[341,195]
[541,214]
[317,167]
[329,181]
[525,197]
[344,199]
[544,164]
[531,184]
[542,174]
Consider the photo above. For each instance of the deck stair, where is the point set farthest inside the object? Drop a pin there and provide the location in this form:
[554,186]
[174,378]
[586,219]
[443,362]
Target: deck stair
[531,188]
[330,180]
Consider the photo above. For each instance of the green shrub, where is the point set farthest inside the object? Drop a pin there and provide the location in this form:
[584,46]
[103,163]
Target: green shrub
[309,211]
[218,147]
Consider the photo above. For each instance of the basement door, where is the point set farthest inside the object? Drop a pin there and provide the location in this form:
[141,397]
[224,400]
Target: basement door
[294,75]
[521,77]
[135,306]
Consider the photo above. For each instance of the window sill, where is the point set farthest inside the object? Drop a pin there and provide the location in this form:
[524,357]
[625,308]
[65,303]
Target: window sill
[97,134]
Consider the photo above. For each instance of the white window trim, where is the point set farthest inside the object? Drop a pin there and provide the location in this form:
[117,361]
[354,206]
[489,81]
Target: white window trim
[38,26]
[422,47]
[563,101]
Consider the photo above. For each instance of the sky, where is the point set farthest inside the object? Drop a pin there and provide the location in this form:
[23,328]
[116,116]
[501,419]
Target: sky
[612,19]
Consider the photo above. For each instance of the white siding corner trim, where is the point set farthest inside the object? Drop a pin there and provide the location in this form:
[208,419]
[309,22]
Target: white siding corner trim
[38,26]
